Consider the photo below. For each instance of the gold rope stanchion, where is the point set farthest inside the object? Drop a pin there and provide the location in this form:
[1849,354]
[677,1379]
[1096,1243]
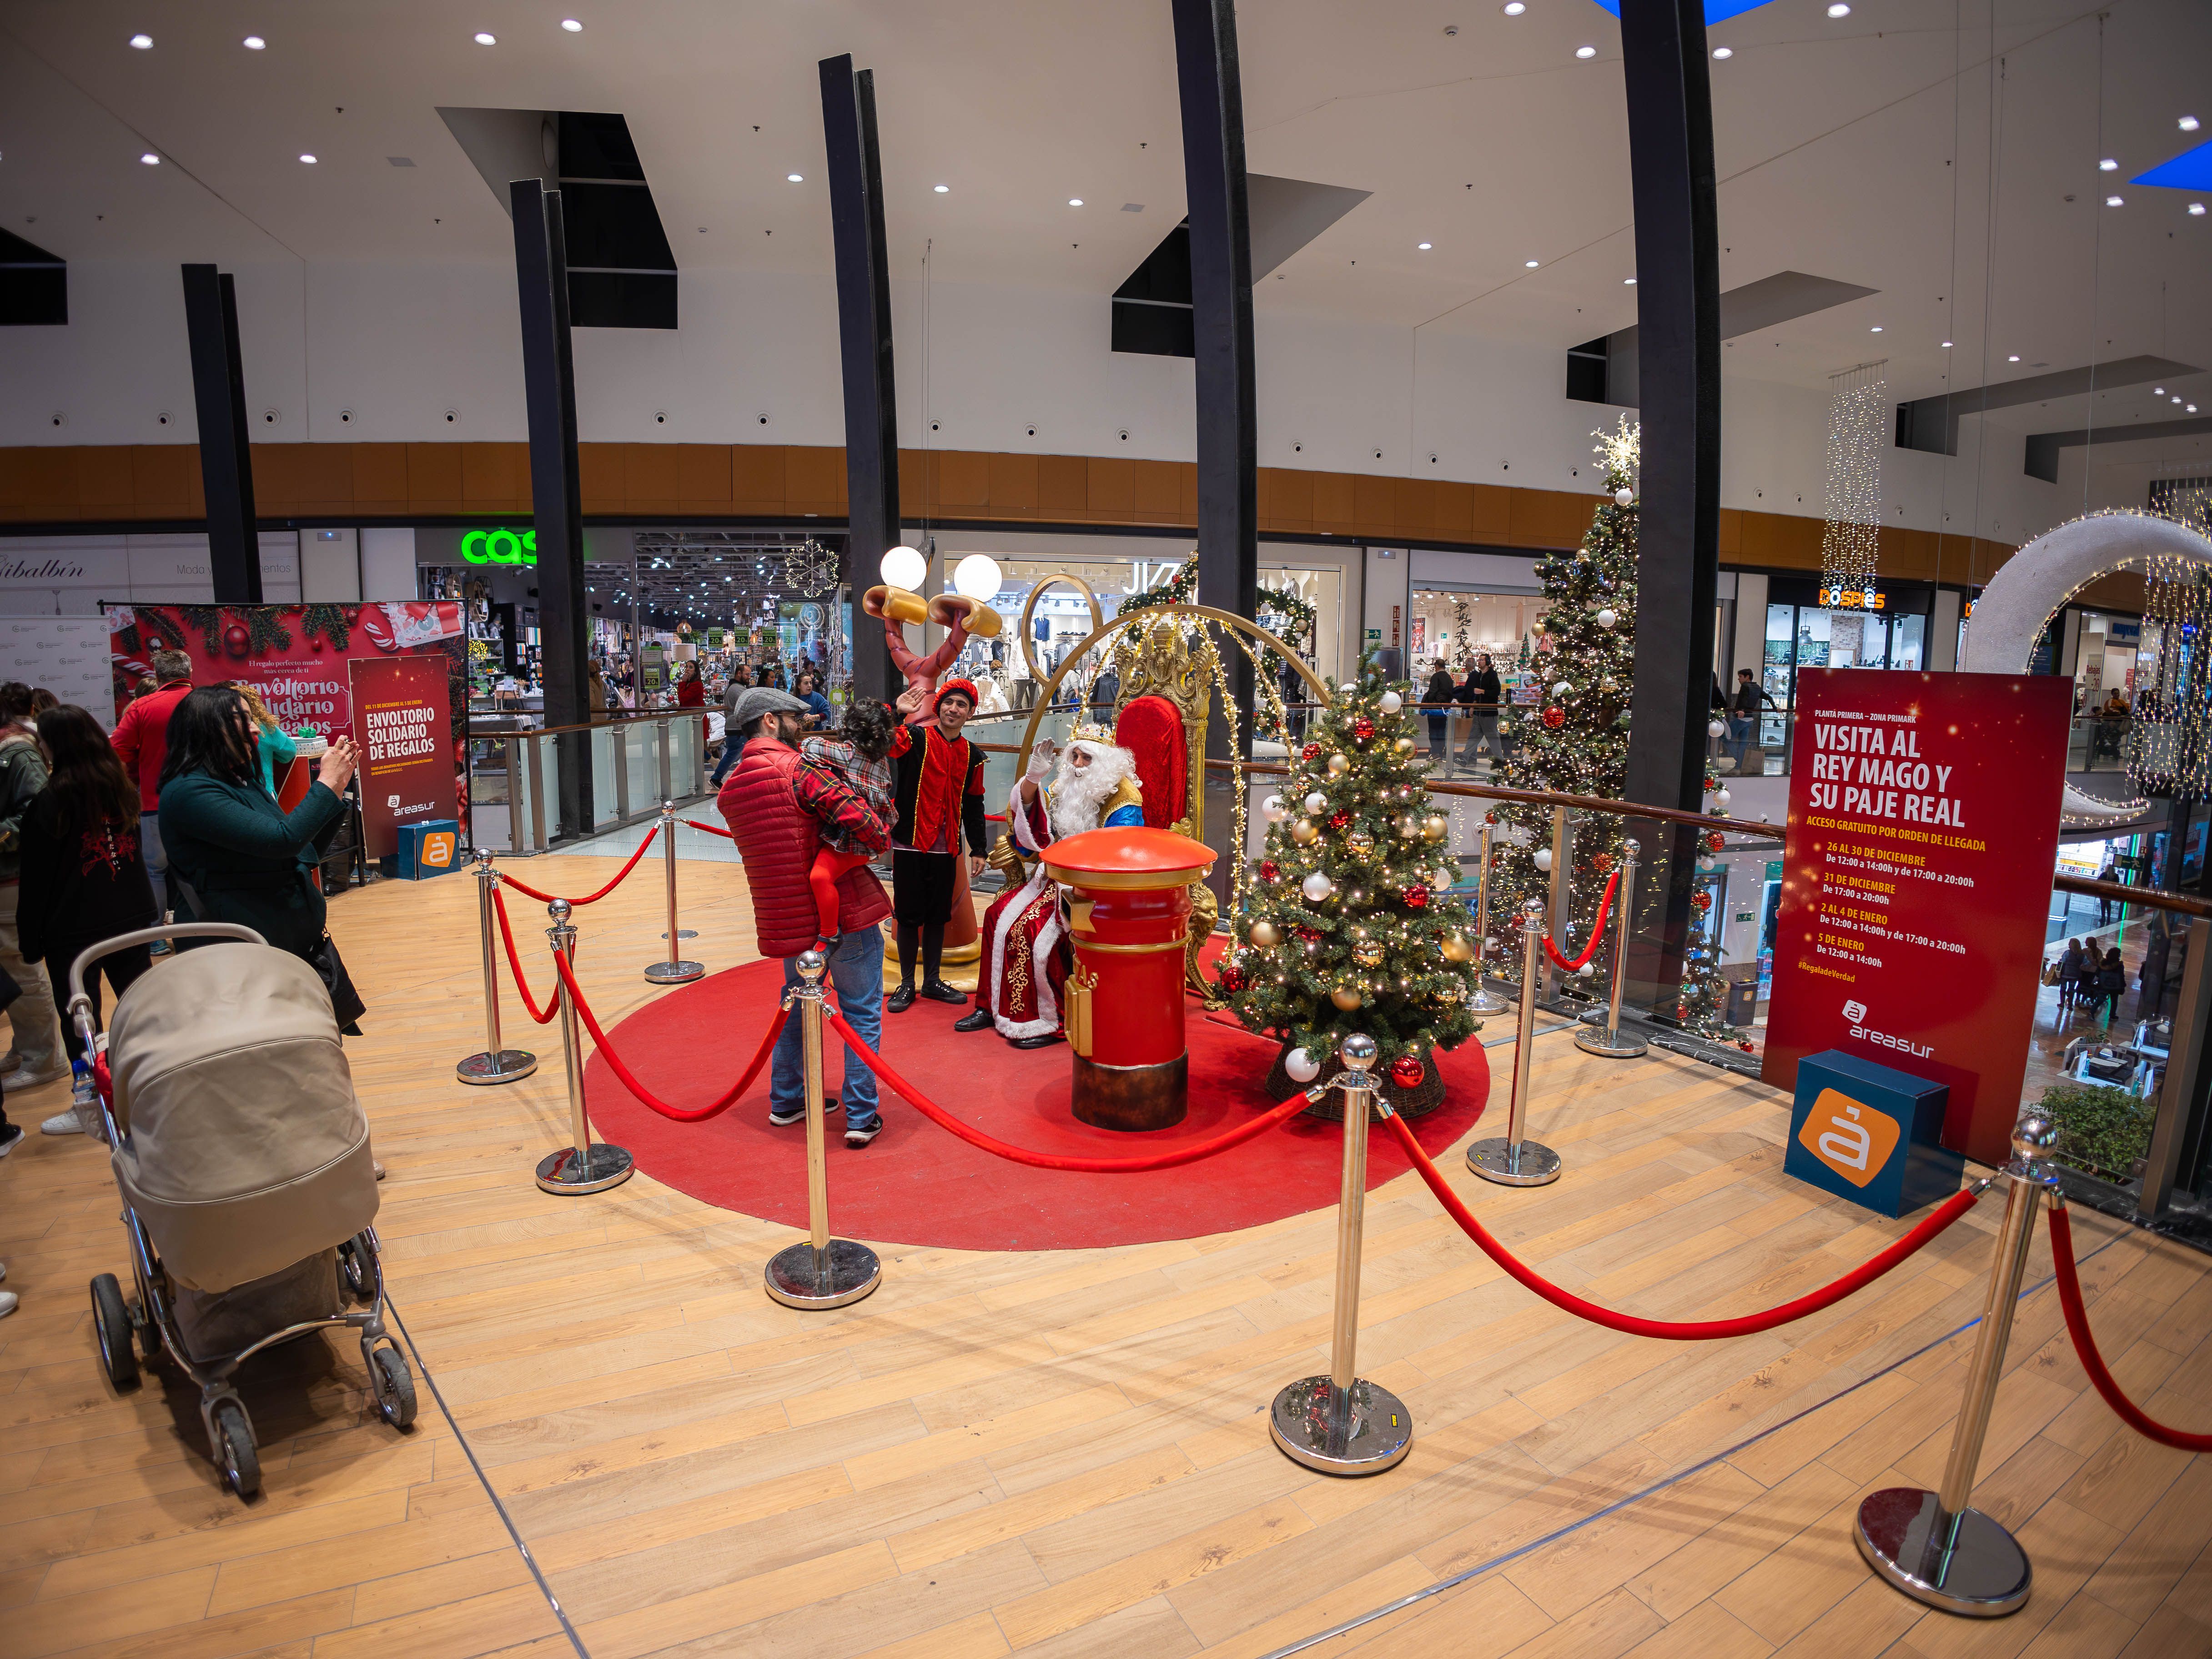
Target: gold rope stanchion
[823,1271]
[1513,1162]
[1610,1042]
[675,970]
[496,1064]
[584,1166]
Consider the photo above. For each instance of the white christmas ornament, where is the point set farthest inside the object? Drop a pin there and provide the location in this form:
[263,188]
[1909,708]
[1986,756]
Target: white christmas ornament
[1276,808]
[1317,887]
[1543,858]
[1588,970]
[1564,689]
[1716,728]
[1392,702]
[1301,1066]
[1317,802]
[1606,618]
[1720,798]
[1622,495]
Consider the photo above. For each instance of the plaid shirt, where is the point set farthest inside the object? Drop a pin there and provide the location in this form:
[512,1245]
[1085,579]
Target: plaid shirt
[873,781]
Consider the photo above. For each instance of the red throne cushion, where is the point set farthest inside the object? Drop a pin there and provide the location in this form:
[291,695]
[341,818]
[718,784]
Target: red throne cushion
[1151,730]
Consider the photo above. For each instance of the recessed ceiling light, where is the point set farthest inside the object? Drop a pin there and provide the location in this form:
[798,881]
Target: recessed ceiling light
[150,158]
[1585,51]
[2158,391]
[1425,247]
[1947,345]
[572,26]
[309,159]
[253,42]
[2187,124]
[2196,209]
[2108,165]
[794,178]
[484,39]
[1724,53]
[1628,281]
[1513,7]
[940,189]
[1075,201]
[144,42]
[1531,263]
[1840,9]
[1876,329]
[2177,400]
[2112,200]
[2013,358]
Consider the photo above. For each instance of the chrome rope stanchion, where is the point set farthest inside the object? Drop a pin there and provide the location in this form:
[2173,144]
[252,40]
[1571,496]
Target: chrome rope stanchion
[675,970]
[495,1064]
[1485,1001]
[1341,1424]
[585,1165]
[824,1271]
[1932,1545]
[1514,1162]
[1610,1042]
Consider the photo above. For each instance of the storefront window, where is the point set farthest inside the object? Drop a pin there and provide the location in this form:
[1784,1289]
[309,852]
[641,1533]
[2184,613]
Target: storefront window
[1459,624]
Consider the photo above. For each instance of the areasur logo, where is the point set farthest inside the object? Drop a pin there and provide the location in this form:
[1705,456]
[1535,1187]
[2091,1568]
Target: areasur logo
[1856,1012]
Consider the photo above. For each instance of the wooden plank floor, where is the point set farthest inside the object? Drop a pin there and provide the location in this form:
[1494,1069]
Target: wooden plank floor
[1063,1454]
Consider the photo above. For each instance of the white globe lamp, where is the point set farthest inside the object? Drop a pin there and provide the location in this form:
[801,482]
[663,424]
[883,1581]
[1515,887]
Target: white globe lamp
[978,577]
[904,566]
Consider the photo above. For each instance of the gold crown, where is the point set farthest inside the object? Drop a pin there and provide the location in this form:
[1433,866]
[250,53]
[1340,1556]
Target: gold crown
[1091,732]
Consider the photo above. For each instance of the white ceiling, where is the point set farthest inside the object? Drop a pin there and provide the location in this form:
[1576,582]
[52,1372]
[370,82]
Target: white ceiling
[1859,149]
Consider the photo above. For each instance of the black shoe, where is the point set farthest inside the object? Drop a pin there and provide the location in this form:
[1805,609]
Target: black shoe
[937,991]
[978,1021]
[899,1000]
[1044,1041]
[783,1117]
[856,1138]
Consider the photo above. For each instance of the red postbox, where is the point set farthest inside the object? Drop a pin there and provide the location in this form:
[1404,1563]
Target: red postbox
[1128,902]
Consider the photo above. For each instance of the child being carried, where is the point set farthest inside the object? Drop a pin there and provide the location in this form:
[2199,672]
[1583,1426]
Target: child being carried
[860,752]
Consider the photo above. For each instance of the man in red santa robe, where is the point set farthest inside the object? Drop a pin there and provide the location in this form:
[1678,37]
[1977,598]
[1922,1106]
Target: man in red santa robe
[1026,955]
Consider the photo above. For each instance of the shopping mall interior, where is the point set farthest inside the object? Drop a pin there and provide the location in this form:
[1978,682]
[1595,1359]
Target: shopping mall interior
[1203,827]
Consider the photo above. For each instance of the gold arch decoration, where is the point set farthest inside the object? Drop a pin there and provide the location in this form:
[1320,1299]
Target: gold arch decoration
[1028,651]
[1192,695]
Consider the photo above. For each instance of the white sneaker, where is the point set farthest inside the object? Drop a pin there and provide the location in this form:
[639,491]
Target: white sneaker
[6,1303]
[63,1123]
[24,1078]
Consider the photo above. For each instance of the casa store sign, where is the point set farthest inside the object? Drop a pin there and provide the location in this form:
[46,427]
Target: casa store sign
[1916,885]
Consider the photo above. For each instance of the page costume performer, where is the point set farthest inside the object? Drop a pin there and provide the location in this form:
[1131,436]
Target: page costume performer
[1025,951]
[940,783]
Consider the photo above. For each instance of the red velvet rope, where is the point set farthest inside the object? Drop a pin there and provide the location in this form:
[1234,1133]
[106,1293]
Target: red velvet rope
[1598,931]
[589,898]
[945,1120]
[710,829]
[645,1095]
[514,963]
[2085,1345]
[1698,1330]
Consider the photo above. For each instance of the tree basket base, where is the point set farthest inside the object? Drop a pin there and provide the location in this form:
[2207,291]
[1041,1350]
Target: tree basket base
[1422,1098]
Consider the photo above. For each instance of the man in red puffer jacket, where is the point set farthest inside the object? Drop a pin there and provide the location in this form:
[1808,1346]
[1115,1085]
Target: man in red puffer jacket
[778,804]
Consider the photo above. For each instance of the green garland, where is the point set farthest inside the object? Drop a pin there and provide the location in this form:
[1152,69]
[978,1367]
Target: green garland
[1181,588]
[330,622]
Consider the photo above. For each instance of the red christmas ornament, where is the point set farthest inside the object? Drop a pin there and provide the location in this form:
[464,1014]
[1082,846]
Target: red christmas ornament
[1713,842]
[1338,820]
[1555,718]
[235,639]
[1363,728]
[1311,751]
[1744,1043]
[1308,935]
[1416,896]
[1602,863]
[1701,899]
[1270,871]
[1407,1071]
[1233,979]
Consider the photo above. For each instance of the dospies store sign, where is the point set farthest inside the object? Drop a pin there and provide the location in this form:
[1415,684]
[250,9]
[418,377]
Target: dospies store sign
[1916,883]
[500,547]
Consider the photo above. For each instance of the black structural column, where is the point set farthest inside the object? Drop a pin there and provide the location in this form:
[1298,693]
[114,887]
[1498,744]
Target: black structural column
[1209,82]
[1670,139]
[549,387]
[864,339]
[225,462]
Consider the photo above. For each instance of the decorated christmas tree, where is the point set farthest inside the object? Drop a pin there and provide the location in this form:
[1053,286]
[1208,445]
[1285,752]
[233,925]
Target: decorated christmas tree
[1350,928]
[1574,739]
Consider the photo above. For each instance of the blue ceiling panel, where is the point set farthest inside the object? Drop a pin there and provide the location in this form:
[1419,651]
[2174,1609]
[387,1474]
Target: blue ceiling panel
[2191,170]
[1716,11]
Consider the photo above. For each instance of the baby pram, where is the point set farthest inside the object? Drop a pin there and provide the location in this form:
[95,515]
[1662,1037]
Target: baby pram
[248,1189]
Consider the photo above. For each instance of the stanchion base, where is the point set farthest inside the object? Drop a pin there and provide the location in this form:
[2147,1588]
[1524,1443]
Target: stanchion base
[1310,1426]
[684,932]
[1984,1574]
[675,973]
[1487,1001]
[562,1172]
[799,1278]
[1530,1164]
[1593,1040]
[507,1066]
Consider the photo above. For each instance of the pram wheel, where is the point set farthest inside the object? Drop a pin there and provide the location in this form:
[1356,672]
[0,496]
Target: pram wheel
[395,1387]
[233,1449]
[111,1322]
[356,1277]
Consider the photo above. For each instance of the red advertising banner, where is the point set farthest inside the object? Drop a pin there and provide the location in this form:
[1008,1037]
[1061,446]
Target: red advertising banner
[297,657]
[399,718]
[1916,885]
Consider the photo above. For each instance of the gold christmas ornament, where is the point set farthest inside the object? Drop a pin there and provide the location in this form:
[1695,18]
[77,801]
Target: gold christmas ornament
[1346,997]
[1368,953]
[1404,745]
[1435,827]
[1361,844]
[1265,935]
[1455,949]
[1338,765]
[1305,831]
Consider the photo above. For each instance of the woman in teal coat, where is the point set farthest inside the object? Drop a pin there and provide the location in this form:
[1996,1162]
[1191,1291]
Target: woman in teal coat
[233,854]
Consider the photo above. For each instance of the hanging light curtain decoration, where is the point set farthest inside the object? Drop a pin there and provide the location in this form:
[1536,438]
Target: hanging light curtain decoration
[1858,410]
[2165,749]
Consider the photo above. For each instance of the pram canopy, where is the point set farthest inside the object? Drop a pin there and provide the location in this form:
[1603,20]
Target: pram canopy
[243,1149]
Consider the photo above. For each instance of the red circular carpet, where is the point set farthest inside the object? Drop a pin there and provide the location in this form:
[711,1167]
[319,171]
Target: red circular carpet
[919,1184]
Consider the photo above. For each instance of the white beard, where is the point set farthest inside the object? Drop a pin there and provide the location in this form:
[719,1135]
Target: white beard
[1076,796]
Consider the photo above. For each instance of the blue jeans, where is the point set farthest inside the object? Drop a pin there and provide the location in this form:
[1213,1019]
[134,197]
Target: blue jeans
[1739,738]
[856,973]
[157,863]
